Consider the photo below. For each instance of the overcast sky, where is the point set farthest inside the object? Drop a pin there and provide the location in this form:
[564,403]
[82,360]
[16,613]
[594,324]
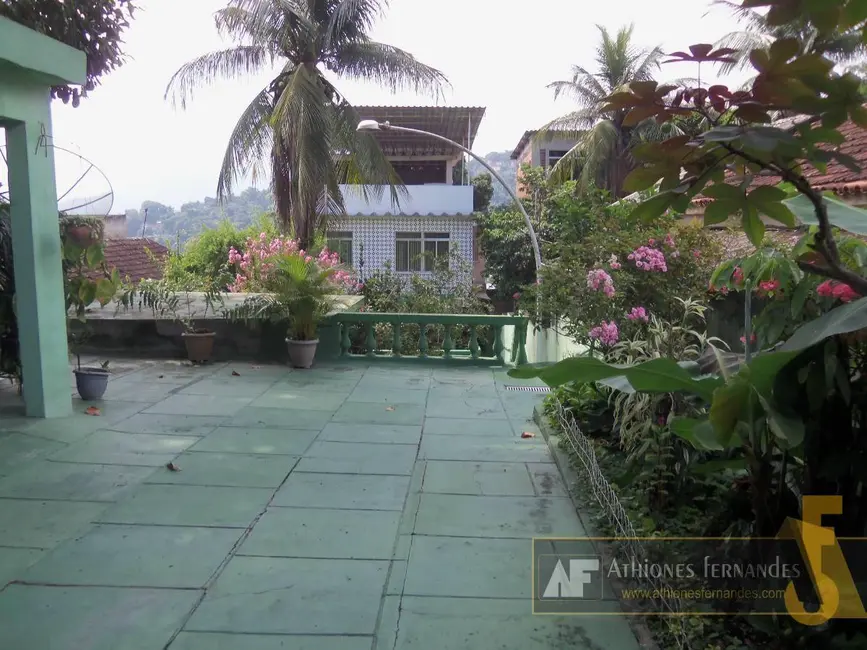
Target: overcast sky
[497,53]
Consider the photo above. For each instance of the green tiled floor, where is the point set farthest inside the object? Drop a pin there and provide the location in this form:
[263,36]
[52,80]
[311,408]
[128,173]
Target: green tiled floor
[348,507]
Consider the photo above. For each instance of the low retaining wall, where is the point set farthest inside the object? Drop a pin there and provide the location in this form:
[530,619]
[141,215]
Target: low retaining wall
[137,333]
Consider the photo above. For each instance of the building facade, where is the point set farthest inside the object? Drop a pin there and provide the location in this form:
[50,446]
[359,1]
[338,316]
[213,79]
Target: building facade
[432,221]
[542,152]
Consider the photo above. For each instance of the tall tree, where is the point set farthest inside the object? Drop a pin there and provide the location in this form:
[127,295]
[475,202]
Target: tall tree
[300,125]
[604,137]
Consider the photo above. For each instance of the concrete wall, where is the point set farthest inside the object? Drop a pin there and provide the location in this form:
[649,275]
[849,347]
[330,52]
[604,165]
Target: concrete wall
[544,346]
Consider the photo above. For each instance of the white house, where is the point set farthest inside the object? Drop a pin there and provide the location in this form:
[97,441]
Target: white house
[436,218]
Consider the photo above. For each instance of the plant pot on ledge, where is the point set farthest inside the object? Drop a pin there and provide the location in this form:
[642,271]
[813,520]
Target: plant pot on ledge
[301,353]
[200,345]
[91,383]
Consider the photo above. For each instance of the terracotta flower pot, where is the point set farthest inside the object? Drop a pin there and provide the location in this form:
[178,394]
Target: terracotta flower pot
[200,345]
[301,353]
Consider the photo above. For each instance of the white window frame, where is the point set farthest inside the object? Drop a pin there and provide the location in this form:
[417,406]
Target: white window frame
[421,261]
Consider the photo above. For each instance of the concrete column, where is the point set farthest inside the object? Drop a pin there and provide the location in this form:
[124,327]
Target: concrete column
[38,274]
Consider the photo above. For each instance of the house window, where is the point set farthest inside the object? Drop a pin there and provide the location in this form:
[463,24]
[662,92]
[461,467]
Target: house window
[555,155]
[341,243]
[420,252]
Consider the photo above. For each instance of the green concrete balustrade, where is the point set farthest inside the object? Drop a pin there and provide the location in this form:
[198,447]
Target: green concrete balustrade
[455,326]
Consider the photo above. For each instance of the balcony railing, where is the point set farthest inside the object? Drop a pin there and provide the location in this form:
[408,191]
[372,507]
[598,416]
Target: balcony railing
[421,200]
[459,338]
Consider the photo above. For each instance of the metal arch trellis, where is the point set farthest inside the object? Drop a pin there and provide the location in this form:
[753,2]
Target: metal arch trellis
[628,544]
[43,143]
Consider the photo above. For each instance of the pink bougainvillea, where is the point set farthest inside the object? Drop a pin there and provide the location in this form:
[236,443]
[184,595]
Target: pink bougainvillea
[606,333]
[752,339]
[838,290]
[638,314]
[648,259]
[599,280]
[258,261]
[738,275]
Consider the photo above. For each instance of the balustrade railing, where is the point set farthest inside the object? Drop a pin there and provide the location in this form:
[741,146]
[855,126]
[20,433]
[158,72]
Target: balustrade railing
[469,338]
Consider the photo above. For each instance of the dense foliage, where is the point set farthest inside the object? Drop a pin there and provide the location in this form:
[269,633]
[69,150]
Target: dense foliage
[95,27]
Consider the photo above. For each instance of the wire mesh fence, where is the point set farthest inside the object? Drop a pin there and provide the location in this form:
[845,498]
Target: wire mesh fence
[627,545]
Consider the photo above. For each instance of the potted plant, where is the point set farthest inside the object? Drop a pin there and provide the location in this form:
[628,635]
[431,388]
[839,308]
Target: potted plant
[163,300]
[84,232]
[86,280]
[300,289]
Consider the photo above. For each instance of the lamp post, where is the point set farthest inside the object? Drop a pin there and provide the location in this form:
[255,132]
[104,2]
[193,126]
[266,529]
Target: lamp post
[373,125]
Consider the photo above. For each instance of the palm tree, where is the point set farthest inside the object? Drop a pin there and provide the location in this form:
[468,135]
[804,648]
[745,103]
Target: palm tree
[604,141]
[300,125]
[846,47]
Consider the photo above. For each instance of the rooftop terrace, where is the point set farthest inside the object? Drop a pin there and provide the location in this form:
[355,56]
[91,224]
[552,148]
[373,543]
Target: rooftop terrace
[355,506]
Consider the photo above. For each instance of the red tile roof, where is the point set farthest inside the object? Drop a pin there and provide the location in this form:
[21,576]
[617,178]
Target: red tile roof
[836,178]
[131,259]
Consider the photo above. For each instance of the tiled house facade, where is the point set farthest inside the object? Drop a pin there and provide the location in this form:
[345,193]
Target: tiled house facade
[434,220]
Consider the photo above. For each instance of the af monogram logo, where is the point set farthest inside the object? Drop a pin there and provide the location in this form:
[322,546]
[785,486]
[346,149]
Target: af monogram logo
[830,573]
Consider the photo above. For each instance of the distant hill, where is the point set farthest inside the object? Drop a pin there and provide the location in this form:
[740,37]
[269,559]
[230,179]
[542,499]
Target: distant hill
[505,166]
[166,222]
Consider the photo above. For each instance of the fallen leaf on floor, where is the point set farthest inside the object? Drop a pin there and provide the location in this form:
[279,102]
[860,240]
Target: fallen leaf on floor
[528,434]
[92,410]
[389,408]
[236,374]
[161,376]
[255,367]
[172,467]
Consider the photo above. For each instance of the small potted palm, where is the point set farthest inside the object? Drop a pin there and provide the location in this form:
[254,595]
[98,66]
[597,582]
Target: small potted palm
[299,296]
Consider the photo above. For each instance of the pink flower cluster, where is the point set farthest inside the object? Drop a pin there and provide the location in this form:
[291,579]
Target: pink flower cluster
[638,314]
[838,290]
[648,259]
[768,286]
[613,262]
[669,241]
[258,261]
[598,279]
[606,333]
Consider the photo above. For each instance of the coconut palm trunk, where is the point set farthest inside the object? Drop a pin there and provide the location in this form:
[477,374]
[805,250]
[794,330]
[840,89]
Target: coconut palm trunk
[300,130]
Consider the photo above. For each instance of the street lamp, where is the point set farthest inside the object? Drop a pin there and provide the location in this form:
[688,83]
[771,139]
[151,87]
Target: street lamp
[373,125]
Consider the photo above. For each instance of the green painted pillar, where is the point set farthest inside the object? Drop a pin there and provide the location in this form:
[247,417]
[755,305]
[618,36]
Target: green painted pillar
[40,299]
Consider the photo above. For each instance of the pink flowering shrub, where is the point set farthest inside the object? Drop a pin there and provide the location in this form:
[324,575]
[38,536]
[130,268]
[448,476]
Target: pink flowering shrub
[606,333]
[638,314]
[599,280]
[258,260]
[648,259]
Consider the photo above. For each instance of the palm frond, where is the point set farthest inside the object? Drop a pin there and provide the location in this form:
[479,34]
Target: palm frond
[234,63]
[388,66]
[351,20]
[250,27]
[248,145]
